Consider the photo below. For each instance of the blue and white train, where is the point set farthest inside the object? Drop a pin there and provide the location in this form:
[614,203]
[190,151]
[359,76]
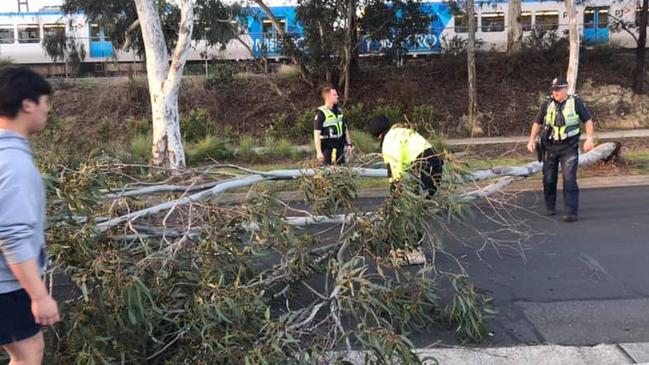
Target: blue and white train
[24,24]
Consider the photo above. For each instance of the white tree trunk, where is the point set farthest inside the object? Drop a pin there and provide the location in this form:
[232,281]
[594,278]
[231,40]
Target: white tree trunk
[514,30]
[164,80]
[474,124]
[573,62]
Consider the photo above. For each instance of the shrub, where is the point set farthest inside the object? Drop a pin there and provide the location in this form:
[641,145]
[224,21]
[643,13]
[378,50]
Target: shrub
[394,112]
[281,148]
[220,75]
[356,117]
[208,148]
[104,129]
[425,118]
[139,126]
[141,146]
[196,125]
[304,123]
[364,142]
[246,150]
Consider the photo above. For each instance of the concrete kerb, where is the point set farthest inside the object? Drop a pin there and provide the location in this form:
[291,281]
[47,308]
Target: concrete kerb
[603,354]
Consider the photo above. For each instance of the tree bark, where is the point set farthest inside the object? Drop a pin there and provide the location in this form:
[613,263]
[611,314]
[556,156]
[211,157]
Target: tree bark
[473,92]
[351,10]
[515,30]
[640,53]
[164,80]
[573,61]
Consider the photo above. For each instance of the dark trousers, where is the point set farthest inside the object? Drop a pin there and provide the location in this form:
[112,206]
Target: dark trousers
[568,156]
[327,151]
[428,169]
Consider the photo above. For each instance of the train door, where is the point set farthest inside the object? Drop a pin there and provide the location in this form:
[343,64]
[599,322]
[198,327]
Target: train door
[596,25]
[100,46]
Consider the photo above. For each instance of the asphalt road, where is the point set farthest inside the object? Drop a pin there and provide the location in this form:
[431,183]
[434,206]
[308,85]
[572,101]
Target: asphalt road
[581,283]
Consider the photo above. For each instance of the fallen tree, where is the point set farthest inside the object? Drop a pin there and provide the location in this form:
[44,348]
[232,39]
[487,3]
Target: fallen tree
[187,281]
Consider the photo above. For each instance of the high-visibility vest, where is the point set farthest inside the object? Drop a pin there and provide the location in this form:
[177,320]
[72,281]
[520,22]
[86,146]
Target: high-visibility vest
[401,147]
[331,120]
[572,122]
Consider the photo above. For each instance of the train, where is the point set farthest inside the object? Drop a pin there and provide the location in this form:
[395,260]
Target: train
[25,23]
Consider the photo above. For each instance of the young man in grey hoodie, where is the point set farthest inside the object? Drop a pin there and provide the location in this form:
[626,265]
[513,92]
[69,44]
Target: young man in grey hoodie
[25,304]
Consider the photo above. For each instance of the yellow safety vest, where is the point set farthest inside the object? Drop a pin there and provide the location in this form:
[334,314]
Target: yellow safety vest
[331,120]
[401,147]
[570,116]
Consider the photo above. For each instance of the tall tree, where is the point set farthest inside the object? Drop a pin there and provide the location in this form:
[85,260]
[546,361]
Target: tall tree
[473,88]
[514,30]
[164,79]
[573,61]
[641,50]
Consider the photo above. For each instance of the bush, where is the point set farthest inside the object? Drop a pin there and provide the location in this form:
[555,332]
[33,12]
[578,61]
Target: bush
[246,150]
[139,126]
[356,117]
[425,118]
[304,123]
[104,130]
[281,148]
[196,125]
[394,112]
[364,142]
[141,146]
[208,148]
[279,125]
[220,75]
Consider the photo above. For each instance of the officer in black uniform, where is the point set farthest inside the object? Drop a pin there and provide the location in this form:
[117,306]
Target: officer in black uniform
[559,123]
[330,133]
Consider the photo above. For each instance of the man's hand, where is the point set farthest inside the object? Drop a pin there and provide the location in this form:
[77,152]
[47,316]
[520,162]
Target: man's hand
[349,151]
[45,311]
[320,157]
[588,145]
[531,146]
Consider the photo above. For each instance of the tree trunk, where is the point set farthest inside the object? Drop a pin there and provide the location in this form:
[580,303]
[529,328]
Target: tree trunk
[351,10]
[638,72]
[287,44]
[473,92]
[573,61]
[164,80]
[515,31]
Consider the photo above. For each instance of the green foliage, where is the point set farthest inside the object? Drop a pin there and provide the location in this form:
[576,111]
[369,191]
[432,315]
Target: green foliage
[221,75]
[246,150]
[304,123]
[393,112]
[425,119]
[4,62]
[275,149]
[329,190]
[542,39]
[364,142]
[356,117]
[196,125]
[139,126]
[105,129]
[208,148]
[466,311]
[141,145]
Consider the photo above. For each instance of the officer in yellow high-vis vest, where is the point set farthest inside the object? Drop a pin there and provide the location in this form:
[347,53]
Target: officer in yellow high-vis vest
[559,123]
[331,136]
[406,152]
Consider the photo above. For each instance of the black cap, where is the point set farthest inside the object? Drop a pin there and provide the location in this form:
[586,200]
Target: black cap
[378,125]
[559,83]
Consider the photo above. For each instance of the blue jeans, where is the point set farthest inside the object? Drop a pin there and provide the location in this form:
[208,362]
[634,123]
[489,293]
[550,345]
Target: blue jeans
[568,156]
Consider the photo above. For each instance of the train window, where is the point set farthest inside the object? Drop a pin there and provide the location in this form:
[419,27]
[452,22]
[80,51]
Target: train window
[461,25]
[493,22]
[589,18]
[95,33]
[602,19]
[547,20]
[269,30]
[28,33]
[56,30]
[7,34]
[526,20]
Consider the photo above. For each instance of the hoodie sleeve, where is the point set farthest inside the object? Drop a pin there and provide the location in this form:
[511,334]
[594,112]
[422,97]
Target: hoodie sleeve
[18,213]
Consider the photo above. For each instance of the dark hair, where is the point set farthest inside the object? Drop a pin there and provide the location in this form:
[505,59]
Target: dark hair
[378,125]
[18,84]
[325,91]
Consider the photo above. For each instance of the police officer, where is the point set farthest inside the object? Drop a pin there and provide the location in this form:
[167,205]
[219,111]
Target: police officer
[406,152]
[559,123]
[330,133]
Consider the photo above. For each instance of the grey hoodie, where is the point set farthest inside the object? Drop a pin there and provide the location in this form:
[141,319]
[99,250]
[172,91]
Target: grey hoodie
[22,209]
